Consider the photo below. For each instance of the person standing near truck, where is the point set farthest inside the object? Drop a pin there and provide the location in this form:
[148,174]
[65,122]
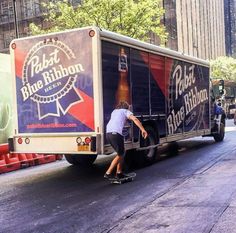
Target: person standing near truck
[116,139]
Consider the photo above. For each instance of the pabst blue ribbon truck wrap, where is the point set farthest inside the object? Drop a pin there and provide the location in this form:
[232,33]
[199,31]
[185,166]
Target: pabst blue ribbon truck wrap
[67,84]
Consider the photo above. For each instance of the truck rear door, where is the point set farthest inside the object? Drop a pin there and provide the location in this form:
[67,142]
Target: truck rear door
[54,85]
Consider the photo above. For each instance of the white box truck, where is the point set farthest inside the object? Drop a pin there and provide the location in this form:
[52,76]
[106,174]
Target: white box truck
[66,85]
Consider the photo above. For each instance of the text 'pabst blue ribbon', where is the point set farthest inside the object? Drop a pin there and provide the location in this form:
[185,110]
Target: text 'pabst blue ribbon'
[49,75]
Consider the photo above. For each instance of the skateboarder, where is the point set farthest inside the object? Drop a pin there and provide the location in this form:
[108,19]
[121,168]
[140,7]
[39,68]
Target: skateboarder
[115,138]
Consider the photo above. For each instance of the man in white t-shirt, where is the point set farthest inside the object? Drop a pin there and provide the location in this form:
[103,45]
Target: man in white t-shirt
[116,139]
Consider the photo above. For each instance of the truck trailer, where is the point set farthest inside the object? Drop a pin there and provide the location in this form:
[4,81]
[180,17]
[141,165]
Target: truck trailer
[66,85]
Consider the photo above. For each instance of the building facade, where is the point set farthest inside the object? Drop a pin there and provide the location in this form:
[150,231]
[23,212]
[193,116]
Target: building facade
[195,27]
[26,12]
[170,22]
[199,27]
[230,27]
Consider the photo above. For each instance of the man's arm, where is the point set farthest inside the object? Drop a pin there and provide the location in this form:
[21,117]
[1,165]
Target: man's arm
[139,124]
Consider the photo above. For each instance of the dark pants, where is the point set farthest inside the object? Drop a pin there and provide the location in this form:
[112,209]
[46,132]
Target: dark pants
[117,142]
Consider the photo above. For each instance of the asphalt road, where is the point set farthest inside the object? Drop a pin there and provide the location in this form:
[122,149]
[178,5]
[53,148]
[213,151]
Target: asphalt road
[192,192]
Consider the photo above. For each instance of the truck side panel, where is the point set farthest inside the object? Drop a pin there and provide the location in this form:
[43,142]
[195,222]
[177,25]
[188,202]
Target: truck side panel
[140,87]
[173,94]
[116,81]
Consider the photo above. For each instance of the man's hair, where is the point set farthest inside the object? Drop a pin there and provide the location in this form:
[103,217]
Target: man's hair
[122,105]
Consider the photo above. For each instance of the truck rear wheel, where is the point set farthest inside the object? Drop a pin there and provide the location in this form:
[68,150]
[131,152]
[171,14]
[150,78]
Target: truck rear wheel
[219,137]
[81,159]
[147,157]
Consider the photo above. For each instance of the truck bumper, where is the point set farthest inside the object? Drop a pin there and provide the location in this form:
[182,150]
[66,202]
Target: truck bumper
[79,144]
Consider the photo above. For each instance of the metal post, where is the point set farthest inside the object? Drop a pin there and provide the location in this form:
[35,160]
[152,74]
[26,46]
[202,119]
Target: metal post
[15,19]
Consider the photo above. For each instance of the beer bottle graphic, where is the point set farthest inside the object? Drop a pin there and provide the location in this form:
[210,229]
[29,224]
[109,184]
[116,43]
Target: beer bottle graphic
[123,92]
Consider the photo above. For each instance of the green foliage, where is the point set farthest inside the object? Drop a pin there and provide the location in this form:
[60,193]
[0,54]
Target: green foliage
[223,68]
[136,19]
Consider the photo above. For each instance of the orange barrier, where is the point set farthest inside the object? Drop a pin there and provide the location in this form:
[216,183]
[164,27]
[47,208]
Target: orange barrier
[4,148]
[3,165]
[30,159]
[23,160]
[38,159]
[41,158]
[12,162]
[50,158]
[59,157]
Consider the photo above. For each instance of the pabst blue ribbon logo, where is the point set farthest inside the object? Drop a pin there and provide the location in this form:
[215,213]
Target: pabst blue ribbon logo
[49,75]
[189,94]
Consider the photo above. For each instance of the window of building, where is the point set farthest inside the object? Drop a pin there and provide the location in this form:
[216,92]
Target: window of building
[31,8]
[7,38]
[171,23]
[6,11]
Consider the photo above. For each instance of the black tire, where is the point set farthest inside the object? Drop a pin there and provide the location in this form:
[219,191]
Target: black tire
[71,159]
[85,160]
[147,157]
[219,137]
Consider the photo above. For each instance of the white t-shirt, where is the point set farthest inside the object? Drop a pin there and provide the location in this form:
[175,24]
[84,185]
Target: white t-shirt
[117,121]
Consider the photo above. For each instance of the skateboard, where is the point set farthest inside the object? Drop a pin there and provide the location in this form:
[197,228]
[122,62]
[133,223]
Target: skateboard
[130,178]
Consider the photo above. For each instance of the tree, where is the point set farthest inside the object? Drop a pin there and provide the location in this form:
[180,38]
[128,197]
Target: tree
[223,68]
[136,19]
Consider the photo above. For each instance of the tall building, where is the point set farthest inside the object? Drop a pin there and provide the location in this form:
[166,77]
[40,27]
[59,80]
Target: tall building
[170,22]
[26,12]
[198,28]
[230,27]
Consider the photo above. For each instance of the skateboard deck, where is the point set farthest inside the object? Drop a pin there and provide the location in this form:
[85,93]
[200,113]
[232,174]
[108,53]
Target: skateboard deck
[130,178]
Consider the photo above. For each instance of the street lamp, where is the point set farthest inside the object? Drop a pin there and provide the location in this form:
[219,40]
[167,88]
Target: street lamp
[15,18]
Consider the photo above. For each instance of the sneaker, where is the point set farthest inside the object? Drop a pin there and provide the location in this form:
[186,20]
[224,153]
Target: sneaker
[108,176]
[121,176]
